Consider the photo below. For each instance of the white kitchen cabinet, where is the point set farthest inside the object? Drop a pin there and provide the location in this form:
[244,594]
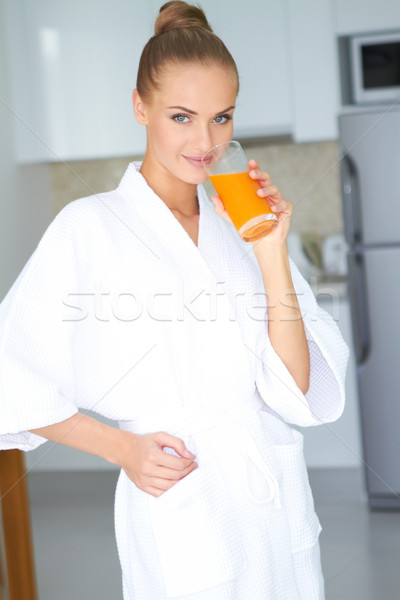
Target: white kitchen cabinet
[256,34]
[74,64]
[315,74]
[74,67]
[364,16]
[288,64]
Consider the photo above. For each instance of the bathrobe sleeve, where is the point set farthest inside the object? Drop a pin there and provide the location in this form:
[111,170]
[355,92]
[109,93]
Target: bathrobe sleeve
[324,400]
[36,383]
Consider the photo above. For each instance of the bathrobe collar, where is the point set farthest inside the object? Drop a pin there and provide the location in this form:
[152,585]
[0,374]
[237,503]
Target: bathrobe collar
[168,239]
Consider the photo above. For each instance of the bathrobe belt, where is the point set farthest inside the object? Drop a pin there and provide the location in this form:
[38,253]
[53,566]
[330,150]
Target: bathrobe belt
[239,418]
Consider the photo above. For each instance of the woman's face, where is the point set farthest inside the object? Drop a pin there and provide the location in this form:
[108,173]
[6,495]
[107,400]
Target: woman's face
[190,112]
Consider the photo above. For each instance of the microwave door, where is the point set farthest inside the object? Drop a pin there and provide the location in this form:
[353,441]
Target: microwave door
[380,65]
[371,145]
[375,62]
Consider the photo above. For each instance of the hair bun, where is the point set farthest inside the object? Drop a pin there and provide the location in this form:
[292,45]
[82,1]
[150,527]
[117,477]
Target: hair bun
[180,15]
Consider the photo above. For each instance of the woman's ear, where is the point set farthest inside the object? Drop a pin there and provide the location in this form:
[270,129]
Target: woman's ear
[139,108]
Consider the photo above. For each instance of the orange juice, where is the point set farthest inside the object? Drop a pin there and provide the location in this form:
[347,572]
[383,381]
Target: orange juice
[238,193]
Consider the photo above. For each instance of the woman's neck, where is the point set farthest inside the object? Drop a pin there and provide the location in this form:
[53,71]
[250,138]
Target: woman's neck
[180,197]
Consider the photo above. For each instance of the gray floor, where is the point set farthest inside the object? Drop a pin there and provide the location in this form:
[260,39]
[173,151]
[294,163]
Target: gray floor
[76,557]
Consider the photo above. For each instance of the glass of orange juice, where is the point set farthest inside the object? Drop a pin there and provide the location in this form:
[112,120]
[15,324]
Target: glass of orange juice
[227,168]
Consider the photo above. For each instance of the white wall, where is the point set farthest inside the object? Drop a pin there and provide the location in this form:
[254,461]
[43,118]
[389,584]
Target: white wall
[25,198]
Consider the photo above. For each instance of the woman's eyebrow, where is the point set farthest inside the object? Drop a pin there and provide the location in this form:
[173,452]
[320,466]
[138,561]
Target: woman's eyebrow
[225,110]
[192,112]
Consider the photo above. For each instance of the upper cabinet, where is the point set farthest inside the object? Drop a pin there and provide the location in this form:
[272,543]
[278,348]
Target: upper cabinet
[315,75]
[364,16]
[256,34]
[73,69]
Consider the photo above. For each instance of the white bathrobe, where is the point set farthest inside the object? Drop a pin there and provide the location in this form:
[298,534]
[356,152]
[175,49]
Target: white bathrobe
[118,311]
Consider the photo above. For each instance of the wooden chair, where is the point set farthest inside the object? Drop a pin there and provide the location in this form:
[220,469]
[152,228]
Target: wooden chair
[19,571]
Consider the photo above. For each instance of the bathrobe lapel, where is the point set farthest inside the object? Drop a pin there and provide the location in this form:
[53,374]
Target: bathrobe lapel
[203,328]
[168,239]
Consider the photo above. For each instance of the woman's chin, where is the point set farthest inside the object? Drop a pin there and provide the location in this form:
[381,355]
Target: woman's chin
[199,177]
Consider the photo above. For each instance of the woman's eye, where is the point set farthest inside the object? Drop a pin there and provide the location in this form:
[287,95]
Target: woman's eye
[181,118]
[222,119]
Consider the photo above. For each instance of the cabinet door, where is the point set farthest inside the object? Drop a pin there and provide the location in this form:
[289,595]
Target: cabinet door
[361,16]
[73,69]
[314,70]
[256,34]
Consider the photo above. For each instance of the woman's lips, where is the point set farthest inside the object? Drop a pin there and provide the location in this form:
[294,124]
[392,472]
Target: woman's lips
[195,161]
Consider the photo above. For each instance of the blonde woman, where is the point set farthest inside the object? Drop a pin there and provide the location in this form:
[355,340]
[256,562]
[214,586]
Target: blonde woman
[206,351]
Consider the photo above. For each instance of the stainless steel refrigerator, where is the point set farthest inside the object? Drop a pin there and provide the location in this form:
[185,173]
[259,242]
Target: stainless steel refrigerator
[370,176]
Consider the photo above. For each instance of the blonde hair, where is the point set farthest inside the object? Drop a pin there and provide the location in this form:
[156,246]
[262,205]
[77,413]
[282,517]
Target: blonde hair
[182,34]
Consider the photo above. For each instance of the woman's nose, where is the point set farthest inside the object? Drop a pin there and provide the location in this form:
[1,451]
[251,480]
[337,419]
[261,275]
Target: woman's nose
[204,140]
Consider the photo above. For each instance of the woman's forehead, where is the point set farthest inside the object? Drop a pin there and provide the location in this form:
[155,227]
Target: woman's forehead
[192,81]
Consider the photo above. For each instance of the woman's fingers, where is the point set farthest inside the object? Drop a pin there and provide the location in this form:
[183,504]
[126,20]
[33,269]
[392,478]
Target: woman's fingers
[160,479]
[153,491]
[275,198]
[281,207]
[175,474]
[173,462]
[164,439]
[269,191]
[262,177]
[219,208]
[167,465]
[144,460]
[166,483]
[165,470]
[160,483]
[255,172]
[253,164]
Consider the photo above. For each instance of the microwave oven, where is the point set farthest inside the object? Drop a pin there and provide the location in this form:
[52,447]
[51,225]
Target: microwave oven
[375,68]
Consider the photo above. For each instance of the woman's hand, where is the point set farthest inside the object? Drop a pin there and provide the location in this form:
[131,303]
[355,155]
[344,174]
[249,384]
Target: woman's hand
[149,467]
[220,209]
[141,456]
[281,207]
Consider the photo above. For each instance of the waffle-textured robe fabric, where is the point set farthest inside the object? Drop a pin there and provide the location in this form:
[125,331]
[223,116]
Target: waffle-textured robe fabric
[118,311]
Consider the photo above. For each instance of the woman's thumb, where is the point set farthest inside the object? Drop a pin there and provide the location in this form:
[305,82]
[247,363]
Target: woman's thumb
[165,439]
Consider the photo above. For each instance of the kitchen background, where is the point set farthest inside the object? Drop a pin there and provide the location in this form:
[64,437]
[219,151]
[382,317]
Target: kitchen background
[67,130]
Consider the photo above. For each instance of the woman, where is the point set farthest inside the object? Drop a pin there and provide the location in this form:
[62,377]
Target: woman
[144,305]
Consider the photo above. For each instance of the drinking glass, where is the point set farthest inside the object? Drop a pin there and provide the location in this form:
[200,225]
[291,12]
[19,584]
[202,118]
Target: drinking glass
[227,168]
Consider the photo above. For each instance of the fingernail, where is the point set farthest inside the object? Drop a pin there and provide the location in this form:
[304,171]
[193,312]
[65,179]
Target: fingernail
[188,454]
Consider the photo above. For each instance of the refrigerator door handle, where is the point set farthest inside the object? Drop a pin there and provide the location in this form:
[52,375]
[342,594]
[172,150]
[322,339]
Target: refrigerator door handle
[359,308]
[350,198]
